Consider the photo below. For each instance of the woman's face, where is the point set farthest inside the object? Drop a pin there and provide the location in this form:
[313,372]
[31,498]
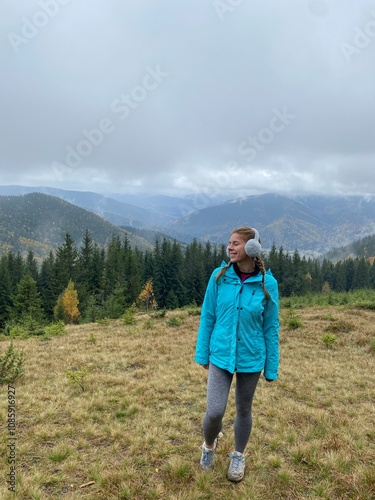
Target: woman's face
[236,249]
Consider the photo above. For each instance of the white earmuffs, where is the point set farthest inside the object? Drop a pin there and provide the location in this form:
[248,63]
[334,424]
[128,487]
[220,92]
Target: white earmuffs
[253,247]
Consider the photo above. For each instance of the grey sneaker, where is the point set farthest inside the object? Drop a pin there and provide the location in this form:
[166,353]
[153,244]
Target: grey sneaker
[208,457]
[236,469]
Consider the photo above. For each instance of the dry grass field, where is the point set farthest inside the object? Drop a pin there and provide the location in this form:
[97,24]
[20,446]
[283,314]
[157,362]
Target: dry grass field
[113,411]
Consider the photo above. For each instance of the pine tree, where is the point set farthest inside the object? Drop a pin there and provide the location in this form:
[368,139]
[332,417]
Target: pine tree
[84,281]
[316,274]
[327,273]
[176,277]
[66,262]
[5,291]
[272,261]
[131,279]
[27,303]
[371,275]
[160,275]
[195,278]
[171,301]
[31,266]
[349,267]
[49,285]
[340,277]
[16,269]
[147,266]
[114,264]
[208,262]
[282,262]
[361,274]
[115,304]
[168,273]
[98,266]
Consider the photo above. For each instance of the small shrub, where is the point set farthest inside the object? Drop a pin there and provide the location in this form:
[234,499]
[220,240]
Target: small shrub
[54,329]
[194,311]
[329,339]
[92,338]
[175,321]
[11,365]
[128,318]
[77,378]
[16,331]
[372,346]
[294,322]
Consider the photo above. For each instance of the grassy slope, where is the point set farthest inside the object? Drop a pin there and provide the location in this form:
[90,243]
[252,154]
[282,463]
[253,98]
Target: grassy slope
[136,428]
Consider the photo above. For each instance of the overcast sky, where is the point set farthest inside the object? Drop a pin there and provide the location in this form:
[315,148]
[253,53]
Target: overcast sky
[189,96]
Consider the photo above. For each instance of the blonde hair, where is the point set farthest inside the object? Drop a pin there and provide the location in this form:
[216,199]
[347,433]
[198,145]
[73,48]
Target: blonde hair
[247,233]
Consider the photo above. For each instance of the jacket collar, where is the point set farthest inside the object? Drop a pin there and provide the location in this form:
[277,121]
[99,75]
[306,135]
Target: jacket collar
[231,273]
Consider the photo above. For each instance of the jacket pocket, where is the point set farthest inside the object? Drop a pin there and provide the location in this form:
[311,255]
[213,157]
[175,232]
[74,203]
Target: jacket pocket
[254,345]
[220,345]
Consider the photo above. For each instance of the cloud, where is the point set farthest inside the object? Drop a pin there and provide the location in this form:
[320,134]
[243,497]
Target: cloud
[81,84]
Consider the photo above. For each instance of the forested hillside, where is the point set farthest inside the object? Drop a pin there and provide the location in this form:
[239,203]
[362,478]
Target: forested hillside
[365,247]
[39,222]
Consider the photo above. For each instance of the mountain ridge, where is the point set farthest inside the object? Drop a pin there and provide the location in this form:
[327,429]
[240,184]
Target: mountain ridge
[39,222]
[312,224]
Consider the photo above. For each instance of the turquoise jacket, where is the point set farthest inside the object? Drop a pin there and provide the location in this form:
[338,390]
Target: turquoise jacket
[239,328]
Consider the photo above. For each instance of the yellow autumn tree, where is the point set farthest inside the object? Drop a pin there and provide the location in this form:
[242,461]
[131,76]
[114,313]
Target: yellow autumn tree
[66,307]
[146,299]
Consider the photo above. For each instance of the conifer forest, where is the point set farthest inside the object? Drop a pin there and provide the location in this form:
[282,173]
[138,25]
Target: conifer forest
[85,282]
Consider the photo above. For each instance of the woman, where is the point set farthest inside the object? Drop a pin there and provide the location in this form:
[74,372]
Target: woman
[238,333]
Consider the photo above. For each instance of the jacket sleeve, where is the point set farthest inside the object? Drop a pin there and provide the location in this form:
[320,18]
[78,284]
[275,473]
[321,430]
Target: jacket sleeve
[271,332]
[207,322]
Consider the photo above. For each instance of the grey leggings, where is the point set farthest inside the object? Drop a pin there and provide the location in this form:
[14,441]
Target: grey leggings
[218,385]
